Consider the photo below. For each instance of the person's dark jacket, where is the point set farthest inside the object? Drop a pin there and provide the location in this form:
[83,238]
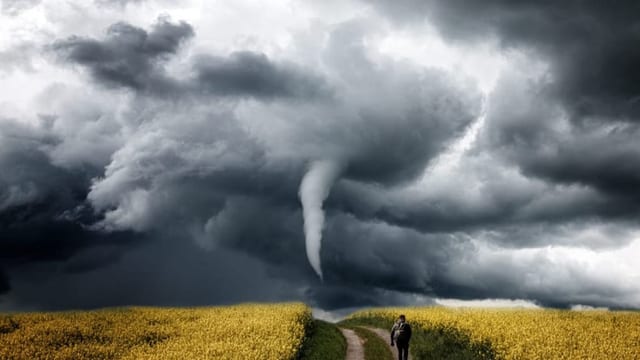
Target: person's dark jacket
[401,331]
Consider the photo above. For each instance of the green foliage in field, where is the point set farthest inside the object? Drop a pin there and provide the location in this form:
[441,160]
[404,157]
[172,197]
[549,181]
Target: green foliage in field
[440,342]
[374,347]
[324,342]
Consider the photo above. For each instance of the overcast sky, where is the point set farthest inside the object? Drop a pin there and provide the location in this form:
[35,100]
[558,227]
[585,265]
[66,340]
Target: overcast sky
[342,153]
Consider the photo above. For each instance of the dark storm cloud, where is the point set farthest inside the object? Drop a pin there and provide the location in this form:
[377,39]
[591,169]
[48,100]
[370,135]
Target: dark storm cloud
[5,282]
[386,121]
[341,299]
[38,233]
[407,114]
[33,178]
[405,139]
[162,272]
[115,186]
[5,286]
[129,56]
[377,255]
[529,128]
[504,200]
[575,125]
[379,142]
[43,214]
[609,164]
[367,257]
[605,156]
[591,44]
[267,230]
[206,171]
[133,58]
[247,73]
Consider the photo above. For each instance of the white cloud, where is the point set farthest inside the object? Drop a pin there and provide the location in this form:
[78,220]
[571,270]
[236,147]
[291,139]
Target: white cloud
[488,303]
[565,273]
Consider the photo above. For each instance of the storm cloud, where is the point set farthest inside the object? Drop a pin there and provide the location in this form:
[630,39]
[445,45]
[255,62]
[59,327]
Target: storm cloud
[599,37]
[132,57]
[576,122]
[247,73]
[129,56]
[171,161]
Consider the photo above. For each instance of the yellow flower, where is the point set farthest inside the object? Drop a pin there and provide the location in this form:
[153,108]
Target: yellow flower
[536,334]
[248,331]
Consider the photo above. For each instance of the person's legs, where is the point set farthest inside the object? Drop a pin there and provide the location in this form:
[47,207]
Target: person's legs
[399,347]
[403,350]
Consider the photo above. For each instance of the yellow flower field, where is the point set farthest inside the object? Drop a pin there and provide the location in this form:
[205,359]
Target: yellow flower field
[248,331]
[535,334]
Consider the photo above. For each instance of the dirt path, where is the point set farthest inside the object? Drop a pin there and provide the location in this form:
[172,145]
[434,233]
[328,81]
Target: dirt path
[384,334]
[355,350]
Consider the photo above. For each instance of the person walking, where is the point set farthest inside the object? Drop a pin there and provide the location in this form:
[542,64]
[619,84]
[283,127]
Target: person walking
[401,335]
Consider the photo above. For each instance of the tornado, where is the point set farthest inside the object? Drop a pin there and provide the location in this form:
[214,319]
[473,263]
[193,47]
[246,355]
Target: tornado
[314,190]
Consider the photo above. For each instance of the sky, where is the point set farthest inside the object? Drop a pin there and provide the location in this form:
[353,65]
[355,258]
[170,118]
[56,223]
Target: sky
[341,153]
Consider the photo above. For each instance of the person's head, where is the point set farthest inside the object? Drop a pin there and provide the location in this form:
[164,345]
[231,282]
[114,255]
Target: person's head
[401,318]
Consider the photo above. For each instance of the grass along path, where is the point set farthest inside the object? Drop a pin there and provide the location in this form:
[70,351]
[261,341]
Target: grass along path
[385,335]
[374,347]
[324,342]
[432,343]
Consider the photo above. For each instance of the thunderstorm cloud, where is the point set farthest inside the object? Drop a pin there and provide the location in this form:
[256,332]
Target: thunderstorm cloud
[345,154]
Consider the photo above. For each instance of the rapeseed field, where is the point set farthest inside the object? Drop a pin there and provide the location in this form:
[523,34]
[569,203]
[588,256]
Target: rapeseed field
[533,334]
[247,331]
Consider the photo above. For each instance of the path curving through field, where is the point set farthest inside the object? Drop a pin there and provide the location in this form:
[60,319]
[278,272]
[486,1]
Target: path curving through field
[355,348]
[386,336]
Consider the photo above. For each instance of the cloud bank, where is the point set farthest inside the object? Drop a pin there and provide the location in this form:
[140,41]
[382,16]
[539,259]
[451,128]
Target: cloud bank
[178,160]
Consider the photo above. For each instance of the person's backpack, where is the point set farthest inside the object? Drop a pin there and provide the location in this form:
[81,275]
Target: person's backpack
[401,332]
